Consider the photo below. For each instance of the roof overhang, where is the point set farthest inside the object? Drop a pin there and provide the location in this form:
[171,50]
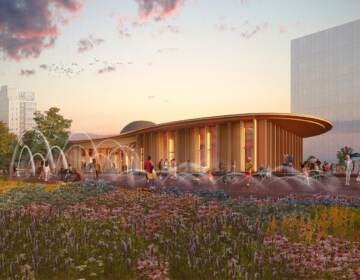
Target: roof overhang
[301,125]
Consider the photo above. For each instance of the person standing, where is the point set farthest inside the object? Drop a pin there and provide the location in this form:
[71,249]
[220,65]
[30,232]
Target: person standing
[233,167]
[151,178]
[305,171]
[173,168]
[285,162]
[290,161]
[326,167]
[148,167]
[97,168]
[349,168]
[46,172]
[148,164]
[358,178]
[40,171]
[166,165]
[160,164]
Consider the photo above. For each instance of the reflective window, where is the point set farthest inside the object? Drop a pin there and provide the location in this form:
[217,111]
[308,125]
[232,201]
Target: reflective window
[325,71]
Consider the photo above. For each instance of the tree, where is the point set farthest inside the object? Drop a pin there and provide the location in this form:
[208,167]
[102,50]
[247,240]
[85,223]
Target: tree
[7,144]
[341,154]
[53,126]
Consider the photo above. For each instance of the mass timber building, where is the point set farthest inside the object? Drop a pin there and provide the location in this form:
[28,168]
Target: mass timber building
[210,142]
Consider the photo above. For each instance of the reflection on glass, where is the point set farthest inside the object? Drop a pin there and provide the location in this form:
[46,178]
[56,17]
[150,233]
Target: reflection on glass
[325,82]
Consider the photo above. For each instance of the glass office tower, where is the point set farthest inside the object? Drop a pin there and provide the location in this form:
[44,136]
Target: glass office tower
[325,82]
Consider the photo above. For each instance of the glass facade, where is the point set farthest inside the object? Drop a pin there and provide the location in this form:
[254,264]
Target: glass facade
[325,82]
[17,109]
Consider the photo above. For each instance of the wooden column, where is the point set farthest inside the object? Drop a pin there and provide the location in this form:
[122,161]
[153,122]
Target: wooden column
[177,145]
[218,146]
[229,143]
[242,146]
[196,147]
[255,159]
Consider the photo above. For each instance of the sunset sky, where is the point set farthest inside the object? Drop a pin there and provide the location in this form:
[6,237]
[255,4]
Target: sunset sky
[106,63]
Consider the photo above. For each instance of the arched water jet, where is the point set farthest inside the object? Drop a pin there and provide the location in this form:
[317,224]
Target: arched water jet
[121,147]
[31,158]
[52,164]
[107,160]
[39,155]
[81,147]
[76,146]
[64,160]
[87,136]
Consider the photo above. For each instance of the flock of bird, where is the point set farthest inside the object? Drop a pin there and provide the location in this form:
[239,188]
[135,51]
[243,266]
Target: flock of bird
[75,68]
[95,65]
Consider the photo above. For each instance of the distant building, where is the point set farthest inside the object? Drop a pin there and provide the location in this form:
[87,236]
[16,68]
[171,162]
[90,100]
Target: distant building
[325,81]
[17,109]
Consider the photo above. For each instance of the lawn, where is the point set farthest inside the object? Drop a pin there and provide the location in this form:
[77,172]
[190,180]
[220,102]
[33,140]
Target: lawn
[92,230]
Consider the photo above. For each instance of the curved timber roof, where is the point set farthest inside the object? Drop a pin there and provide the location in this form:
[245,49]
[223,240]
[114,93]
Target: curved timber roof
[302,125]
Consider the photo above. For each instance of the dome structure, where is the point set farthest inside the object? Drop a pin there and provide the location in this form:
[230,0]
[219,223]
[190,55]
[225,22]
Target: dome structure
[136,125]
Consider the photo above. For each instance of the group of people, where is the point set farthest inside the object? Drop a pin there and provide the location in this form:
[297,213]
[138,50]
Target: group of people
[163,166]
[313,166]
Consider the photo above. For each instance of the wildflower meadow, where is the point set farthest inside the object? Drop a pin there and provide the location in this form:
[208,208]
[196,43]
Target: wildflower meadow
[92,230]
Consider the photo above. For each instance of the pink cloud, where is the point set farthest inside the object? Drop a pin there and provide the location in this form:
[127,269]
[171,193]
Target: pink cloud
[158,9]
[28,27]
[70,5]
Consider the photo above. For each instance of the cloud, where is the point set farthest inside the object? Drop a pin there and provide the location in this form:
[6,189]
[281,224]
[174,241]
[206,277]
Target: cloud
[28,27]
[27,72]
[158,9]
[89,43]
[107,69]
[71,5]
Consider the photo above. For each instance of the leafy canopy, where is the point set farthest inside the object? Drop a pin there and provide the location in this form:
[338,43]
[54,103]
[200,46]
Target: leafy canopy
[53,125]
[7,142]
[341,154]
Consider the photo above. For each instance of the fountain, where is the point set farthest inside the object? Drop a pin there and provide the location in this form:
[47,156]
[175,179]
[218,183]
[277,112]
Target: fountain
[25,147]
[49,155]
[189,176]
[48,148]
